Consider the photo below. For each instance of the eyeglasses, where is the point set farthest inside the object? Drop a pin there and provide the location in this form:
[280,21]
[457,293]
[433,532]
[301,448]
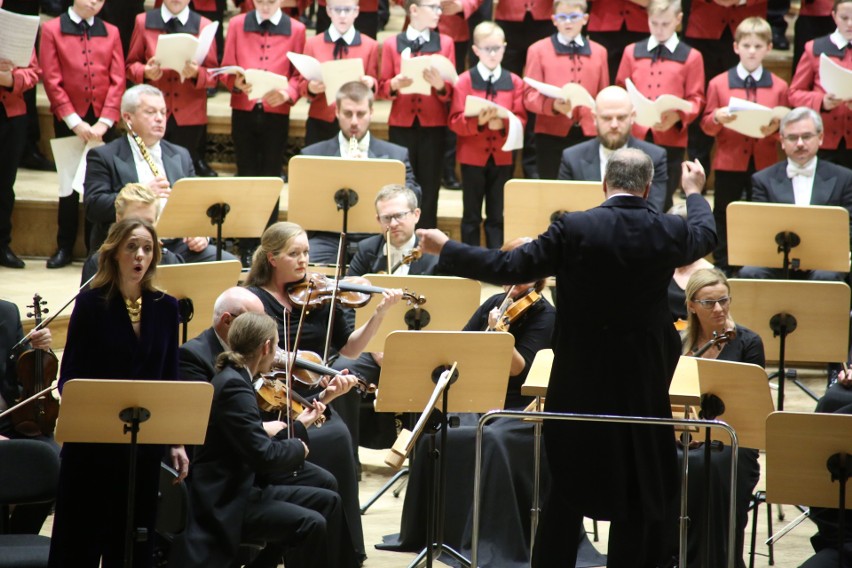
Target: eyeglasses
[343,10]
[794,138]
[492,49]
[572,17]
[388,219]
[434,7]
[710,304]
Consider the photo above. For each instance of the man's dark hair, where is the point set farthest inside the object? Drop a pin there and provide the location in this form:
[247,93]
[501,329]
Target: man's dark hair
[630,170]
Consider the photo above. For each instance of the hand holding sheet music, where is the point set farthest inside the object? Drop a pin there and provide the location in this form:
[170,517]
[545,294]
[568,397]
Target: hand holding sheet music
[836,80]
[751,119]
[258,83]
[17,37]
[473,106]
[650,113]
[175,51]
[574,93]
[415,68]
[334,74]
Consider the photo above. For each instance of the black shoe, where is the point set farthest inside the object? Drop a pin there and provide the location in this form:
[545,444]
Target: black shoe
[59,259]
[36,161]
[245,257]
[10,259]
[780,42]
[203,169]
[450,181]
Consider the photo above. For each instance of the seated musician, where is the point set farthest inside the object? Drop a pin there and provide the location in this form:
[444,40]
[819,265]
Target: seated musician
[802,179]
[226,504]
[280,262]
[505,521]
[354,111]
[708,304]
[134,200]
[155,163]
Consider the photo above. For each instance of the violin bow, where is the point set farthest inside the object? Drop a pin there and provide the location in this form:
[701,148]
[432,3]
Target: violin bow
[338,274]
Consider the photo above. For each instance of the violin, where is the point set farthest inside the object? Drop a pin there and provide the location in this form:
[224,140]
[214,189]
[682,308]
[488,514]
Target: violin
[717,339]
[411,256]
[513,311]
[308,370]
[272,396]
[317,289]
[36,371]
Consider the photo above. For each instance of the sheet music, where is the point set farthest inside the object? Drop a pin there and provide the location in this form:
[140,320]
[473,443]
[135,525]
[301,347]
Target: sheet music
[413,67]
[69,153]
[261,81]
[751,117]
[514,137]
[333,73]
[648,112]
[835,79]
[205,40]
[17,37]
[308,66]
[575,93]
[174,50]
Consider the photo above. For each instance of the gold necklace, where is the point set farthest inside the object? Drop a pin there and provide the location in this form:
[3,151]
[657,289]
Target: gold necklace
[134,309]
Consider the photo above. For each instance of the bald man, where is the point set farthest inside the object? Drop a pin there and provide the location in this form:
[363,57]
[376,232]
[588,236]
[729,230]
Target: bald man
[614,115]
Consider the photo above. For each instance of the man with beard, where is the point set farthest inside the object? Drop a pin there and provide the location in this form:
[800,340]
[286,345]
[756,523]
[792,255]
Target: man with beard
[614,115]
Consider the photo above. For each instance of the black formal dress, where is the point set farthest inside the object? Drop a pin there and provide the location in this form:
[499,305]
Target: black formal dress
[331,445]
[615,353]
[92,497]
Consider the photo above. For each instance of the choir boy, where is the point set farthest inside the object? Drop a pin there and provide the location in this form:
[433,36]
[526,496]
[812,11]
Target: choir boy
[185,91]
[663,64]
[485,167]
[418,122]
[564,57]
[814,20]
[340,41]
[367,21]
[83,72]
[738,156]
[806,88]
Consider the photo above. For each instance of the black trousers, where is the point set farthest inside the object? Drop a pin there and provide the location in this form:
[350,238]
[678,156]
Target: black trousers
[483,183]
[548,150]
[523,34]
[189,136]
[122,14]
[615,42]
[730,187]
[218,15]
[367,22]
[13,138]
[317,130]
[807,28]
[842,155]
[674,159]
[426,152]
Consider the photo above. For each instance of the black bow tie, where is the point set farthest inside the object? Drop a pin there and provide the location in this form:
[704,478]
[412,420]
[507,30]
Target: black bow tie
[341,48]
[84,27]
[573,48]
[266,25]
[416,44]
[750,88]
[172,26]
[657,53]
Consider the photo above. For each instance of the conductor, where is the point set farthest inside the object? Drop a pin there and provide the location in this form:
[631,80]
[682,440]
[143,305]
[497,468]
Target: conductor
[615,353]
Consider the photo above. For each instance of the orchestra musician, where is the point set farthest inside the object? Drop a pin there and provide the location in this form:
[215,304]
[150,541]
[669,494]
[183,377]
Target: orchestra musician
[227,503]
[121,328]
[282,260]
[604,273]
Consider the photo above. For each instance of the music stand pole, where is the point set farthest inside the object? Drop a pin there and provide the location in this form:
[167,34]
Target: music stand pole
[217,213]
[132,417]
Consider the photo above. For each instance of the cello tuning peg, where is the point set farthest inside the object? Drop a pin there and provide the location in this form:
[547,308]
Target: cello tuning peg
[45,311]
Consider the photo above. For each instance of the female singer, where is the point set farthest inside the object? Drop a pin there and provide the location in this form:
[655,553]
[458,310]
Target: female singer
[282,259]
[708,305]
[122,328]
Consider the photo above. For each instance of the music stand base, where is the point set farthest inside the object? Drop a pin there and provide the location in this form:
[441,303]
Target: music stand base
[384,489]
[436,551]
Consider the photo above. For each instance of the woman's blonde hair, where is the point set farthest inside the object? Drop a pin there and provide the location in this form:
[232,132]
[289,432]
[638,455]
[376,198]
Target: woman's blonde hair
[700,279]
[246,336]
[274,239]
[108,272]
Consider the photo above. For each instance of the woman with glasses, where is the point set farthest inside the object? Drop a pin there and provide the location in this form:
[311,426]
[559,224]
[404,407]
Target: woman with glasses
[708,303]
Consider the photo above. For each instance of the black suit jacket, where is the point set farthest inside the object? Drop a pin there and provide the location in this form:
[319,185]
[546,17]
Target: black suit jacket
[582,162]
[379,149]
[614,343]
[198,356]
[371,258]
[11,332]
[111,167]
[832,186]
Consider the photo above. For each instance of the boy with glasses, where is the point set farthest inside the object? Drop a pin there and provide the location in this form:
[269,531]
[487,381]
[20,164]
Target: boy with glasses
[564,57]
[367,18]
[340,41]
[485,167]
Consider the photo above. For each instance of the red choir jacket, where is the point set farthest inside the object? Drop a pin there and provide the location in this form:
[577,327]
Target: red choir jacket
[250,47]
[322,48]
[23,79]
[806,90]
[430,110]
[455,25]
[187,101]
[680,73]
[198,5]
[733,150]
[516,10]
[551,62]
[82,71]
[708,20]
[475,144]
[610,15]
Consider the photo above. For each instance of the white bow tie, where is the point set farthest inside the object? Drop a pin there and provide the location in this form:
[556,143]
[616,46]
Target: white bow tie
[794,170]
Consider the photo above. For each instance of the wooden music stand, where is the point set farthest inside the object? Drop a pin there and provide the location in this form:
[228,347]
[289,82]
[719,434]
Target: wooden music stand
[413,363]
[536,385]
[788,236]
[197,286]
[459,297]
[530,205]
[799,464]
[200,207]
[321,186]
[104,411]
[818,312]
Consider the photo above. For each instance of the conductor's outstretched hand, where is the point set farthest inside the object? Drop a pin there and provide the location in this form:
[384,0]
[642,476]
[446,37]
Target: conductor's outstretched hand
[692,177]
[432,240]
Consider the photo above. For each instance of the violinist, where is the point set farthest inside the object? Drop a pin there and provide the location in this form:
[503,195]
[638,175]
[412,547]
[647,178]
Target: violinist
[708,311]
[280,260]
